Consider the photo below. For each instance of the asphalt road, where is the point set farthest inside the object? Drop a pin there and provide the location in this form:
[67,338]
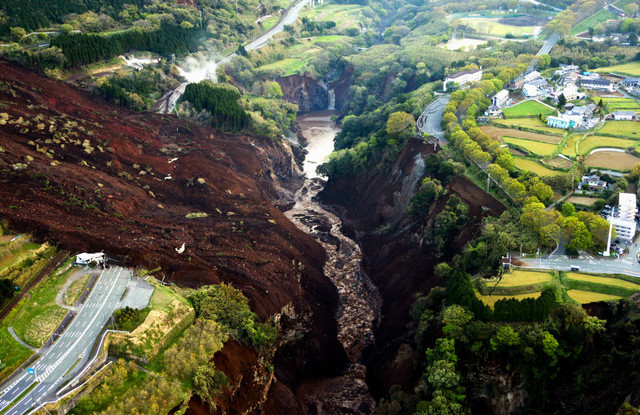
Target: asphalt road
[429,120]
[167,103]
[549,44]
[70,352]
[589,263]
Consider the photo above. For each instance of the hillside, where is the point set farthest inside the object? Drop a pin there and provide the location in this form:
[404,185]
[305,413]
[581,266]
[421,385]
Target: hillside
[91,176]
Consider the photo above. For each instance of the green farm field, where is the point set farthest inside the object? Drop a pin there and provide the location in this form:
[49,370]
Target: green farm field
[585,297]
[593,142]
[531,123]
[629,69]
[629,129]
[593,20]
[534,167]
[535,147]
[616,104]
[528,109]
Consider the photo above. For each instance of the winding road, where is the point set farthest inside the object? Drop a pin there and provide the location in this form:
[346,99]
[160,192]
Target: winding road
[70,352]
[167,103]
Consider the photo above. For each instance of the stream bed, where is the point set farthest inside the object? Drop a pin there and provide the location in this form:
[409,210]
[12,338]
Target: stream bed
[360,302]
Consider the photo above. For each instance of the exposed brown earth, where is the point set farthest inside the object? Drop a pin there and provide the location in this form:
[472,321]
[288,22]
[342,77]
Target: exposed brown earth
[375,207]
[91,176]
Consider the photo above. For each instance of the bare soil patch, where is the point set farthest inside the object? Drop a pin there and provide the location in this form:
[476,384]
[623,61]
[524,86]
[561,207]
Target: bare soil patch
[612,160]
[559,162]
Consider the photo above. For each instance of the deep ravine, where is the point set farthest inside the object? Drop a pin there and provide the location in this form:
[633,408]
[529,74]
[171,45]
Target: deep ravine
[360,302]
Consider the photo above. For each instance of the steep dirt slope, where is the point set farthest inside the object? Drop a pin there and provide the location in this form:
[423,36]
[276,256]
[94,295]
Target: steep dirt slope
[92,176]
[375,206]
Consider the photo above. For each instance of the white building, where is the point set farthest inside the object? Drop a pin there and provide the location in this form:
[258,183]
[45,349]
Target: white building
[462,78]
[625,219]
[531,91]
[87,259]
[623,115]
[500,98]
[597,84]
[531,76]
[570,93]
[560,121]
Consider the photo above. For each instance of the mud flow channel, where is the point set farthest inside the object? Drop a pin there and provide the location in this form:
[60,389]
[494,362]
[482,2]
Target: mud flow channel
[360,301]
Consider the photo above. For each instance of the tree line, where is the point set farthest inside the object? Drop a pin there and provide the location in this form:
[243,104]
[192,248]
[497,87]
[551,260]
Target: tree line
[34,14]
[82,49]
[222,103]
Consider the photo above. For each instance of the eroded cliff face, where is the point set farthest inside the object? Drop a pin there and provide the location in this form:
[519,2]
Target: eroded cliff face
[91,176]
[375,206]
[305,92]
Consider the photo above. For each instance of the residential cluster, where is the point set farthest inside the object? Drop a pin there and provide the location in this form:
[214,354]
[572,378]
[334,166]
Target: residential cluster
[571,84]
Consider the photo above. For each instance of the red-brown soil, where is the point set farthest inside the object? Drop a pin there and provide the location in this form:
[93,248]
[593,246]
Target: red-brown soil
[375,206]
[91,176]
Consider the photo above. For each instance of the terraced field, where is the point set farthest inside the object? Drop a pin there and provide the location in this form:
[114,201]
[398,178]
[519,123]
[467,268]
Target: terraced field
[559,162]
[531,123]
[491,300]
[617,104]
[585,297]
[611,160]
[498,132]
[535,147]
[603,280]
[569,287]
[630,129]
[534,167]
[593,142]
[520,277]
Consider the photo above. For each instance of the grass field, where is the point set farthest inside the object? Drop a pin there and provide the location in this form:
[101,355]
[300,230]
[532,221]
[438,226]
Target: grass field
[329,38]
[584,297]
[611,160]
[344,15]
[498,132]
[593,141]
[39,314]
[535,147]
[491,300]
[290,66]
[629,69]
[12,353]
[493,27]
[582,200]
[593,20]
[617,104]
[534,167]
[520,277]
[532,123]
[569,287]
[603,280]
[629,129]
[528,109]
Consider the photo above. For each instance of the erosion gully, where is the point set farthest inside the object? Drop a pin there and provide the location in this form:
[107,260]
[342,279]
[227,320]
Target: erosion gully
[360,302]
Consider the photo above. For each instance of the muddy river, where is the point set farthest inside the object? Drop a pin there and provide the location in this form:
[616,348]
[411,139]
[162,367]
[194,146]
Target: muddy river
[360,301]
